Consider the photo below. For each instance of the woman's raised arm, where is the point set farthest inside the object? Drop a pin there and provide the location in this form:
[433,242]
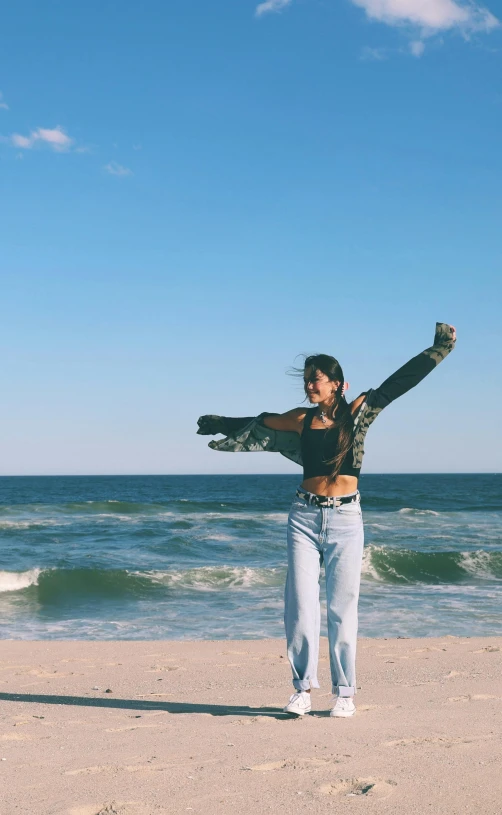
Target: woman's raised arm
[417,368]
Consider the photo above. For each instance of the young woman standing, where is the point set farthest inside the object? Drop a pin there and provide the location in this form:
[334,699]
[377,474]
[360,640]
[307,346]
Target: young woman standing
[325,521]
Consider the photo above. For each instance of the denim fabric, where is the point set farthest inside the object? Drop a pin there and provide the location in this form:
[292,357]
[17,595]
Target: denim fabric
[333,536]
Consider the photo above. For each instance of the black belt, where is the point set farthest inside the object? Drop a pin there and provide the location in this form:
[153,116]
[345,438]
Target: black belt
[327,500]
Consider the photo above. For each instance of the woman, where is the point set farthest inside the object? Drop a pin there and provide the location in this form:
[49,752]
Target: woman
[325,521]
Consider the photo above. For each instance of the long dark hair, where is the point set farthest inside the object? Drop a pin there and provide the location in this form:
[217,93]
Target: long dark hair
[339,412]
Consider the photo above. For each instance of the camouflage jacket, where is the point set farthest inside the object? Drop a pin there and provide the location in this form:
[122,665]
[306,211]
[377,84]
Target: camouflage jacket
[250,435]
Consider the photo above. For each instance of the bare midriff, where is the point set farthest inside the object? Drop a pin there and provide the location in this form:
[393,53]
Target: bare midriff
[321,485]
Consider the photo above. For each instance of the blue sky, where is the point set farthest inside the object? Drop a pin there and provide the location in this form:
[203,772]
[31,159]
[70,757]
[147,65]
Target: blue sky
[195,193]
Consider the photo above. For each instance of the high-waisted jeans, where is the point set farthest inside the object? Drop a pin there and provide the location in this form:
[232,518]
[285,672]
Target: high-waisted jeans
[333,536]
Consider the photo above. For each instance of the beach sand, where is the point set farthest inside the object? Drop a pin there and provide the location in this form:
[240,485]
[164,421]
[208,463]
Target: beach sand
[137,728]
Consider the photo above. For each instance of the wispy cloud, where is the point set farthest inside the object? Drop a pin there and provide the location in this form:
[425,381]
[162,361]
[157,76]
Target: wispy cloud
[271,5]
[3,105]
[55,138]
[373,54]
[417,48]
[113,168]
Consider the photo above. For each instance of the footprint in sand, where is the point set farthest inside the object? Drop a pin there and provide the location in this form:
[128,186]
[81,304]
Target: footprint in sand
[442,741]
[297,764]
[134,768]
[115,808]
[488,649]
[369,787]
[99,768]
[453,674]
[131,727]
[48,674]
[14,737]
[367,708]
[475,697]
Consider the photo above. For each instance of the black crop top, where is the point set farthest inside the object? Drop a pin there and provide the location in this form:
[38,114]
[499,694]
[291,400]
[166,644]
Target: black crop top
[320,446]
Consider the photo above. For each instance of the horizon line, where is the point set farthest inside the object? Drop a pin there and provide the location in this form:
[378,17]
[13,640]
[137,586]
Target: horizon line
[205,475]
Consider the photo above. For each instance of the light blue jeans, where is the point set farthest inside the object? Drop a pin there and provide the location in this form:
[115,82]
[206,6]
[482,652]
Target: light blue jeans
[333,536]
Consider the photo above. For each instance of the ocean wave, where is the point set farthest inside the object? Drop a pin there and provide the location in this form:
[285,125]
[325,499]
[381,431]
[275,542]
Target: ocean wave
[55,584]
[15,581]
[389,565]
[381,564]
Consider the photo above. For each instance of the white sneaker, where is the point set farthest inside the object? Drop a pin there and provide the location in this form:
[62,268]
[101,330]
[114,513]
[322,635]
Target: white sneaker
[299,704]
[343,707]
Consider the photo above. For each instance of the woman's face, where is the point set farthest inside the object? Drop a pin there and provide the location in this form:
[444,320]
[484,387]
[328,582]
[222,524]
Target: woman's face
[318,387]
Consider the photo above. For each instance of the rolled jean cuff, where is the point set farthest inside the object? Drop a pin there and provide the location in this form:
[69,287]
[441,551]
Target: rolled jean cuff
[344,690]
[305,684]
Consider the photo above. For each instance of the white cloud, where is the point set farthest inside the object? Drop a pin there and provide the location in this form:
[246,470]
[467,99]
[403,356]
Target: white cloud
[55,138]
[417,48]
[429,15]
[432,15]
[271,5]
[3,105]
[113,168]
[21,141]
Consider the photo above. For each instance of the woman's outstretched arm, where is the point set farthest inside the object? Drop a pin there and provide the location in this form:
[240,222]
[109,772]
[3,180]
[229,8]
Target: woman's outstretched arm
[417,368]
[211,425]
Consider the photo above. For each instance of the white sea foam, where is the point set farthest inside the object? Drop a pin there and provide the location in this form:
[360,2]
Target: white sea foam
[28,523]
[414,511]
[280,517]
[216,578]
[367,569]
[14,581]
[134,519]
[477,564]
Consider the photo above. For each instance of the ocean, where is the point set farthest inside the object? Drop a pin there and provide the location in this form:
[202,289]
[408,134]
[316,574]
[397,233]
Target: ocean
[203,557]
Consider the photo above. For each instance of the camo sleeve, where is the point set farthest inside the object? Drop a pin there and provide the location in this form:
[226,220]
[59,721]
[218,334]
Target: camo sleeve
[211,425]
[399,383]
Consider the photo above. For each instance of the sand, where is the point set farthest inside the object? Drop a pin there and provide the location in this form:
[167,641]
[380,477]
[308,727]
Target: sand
[137,728]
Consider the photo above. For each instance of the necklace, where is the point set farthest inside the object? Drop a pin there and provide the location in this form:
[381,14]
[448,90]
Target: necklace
[323,416]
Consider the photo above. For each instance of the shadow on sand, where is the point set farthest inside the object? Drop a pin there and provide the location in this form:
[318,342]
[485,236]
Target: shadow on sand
[169,707]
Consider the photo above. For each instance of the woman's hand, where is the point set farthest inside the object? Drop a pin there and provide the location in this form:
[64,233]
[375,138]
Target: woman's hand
[453,332]
[210,425]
